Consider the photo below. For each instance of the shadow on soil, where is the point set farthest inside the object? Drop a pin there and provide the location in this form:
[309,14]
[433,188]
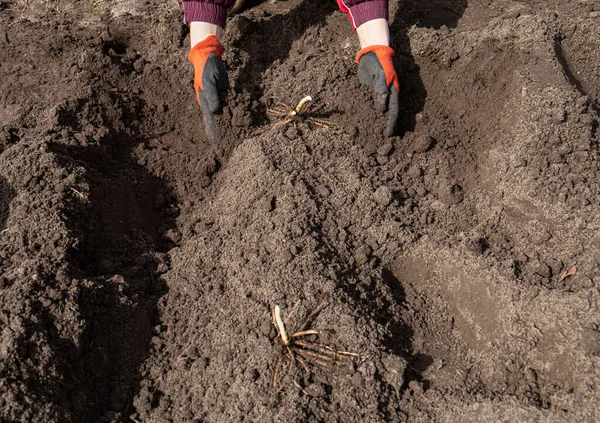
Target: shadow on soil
[573,80]
[389,315]
[6,196]
[422,13]
[121,249]
[401,340]
[429,14]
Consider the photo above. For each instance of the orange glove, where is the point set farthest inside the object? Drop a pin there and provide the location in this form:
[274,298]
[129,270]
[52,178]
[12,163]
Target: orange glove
[210,77]
[376,69]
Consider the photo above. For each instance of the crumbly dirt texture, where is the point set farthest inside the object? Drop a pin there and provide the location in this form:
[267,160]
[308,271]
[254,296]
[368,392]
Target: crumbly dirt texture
[459,259]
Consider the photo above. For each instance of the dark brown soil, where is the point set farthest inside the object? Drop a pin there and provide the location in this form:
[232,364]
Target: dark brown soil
[459,259]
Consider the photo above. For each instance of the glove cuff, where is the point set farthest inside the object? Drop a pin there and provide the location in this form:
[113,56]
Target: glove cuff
[379,50]
[210,45]
[198,56]
[384,55]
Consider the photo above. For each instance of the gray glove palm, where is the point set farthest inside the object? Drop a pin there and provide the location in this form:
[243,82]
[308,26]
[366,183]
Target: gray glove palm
[376,70]
[210,77]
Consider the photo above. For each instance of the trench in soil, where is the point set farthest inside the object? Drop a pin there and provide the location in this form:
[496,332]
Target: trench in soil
[122,245]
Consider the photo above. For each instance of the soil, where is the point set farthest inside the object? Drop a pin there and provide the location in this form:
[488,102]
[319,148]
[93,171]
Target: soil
[458,259]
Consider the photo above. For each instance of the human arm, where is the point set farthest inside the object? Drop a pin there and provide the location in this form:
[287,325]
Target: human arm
[207,20]
[376,69]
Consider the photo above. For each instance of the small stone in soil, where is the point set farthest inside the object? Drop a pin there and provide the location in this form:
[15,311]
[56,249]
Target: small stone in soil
[421,118]
[383,195]
[381,160]
[362,255]
[291,133]
[323,190]
[394,373]
[368,369]
[385,149]
[423,143]
[415,172]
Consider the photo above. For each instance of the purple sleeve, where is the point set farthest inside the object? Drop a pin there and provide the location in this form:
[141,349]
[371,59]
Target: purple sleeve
[361,11]
[211,11]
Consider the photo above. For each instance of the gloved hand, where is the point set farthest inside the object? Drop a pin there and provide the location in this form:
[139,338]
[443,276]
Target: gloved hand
[376,69]
[210,77]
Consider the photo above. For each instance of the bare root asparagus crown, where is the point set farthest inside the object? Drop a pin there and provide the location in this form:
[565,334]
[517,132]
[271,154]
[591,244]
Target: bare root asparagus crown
[304,352]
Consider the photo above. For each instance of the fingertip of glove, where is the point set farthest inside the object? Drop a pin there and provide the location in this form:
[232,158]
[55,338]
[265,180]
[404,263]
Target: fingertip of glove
[214,108]
[209,100]
[390,127]
[393,110]
[381,99]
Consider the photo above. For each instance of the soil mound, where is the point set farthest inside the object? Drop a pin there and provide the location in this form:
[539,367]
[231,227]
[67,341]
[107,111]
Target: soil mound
[289,224]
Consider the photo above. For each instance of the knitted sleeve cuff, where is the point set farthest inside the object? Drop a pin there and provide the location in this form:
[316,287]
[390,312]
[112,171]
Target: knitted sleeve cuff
[367,11]
[204,12]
